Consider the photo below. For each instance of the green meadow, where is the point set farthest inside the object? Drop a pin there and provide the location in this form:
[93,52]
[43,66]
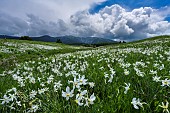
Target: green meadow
[46,77]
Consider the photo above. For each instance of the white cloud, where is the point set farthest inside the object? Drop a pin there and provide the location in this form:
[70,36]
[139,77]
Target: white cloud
[121,28]
[116,22]
[164,11]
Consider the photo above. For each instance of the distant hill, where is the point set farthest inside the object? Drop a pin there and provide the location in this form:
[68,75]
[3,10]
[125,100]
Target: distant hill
[67,39]
[84,40]
[45,38]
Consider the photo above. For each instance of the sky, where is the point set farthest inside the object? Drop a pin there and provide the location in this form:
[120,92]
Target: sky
[113,19]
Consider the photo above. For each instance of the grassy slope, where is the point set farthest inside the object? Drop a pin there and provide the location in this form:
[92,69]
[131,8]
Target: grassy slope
[152,38]
[7,60]
[110,97]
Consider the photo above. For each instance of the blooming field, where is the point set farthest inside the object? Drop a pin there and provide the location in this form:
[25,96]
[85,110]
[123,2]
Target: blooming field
[17,51]
[132,77]
[7,46]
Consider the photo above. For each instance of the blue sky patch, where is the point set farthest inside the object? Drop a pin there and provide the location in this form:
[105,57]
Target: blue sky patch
[167,18]
[131,4]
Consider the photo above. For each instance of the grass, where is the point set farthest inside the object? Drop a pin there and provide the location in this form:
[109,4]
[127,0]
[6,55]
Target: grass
[119,73]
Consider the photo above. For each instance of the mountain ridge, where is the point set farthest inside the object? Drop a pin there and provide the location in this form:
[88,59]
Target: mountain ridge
[66,39]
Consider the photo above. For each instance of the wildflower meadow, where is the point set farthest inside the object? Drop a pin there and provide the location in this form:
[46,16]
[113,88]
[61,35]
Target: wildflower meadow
[122,78]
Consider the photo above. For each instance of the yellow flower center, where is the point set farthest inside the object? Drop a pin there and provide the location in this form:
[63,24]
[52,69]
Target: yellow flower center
[75,83]
[165,107]
[67,95]
[76,101]
[166,82]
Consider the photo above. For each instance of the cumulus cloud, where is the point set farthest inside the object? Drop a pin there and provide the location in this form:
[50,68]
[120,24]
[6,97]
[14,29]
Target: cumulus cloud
[116,22]
[121,28]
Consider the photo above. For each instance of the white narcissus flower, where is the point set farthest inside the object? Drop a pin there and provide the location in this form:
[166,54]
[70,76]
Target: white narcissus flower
[5,100]
[161,67]
[41,91]
[106,75]
[165,82]
[33,94]
[12,90]
[15,77]
[126,72]
[127,87]
[165,107]
[139,73]
[136,103]
[50,79]
[91,84]
[76,83]
[12,97]
[18,103]
[156,78]
[82,80]
[112,71]
[3,74]
[78,101]
[90,100]
[153,72]
[33,108]
[68,93]
[57,86]
[111,78]
[81,94]
[80,97]
[32,80]
[39,79]
[42,84]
